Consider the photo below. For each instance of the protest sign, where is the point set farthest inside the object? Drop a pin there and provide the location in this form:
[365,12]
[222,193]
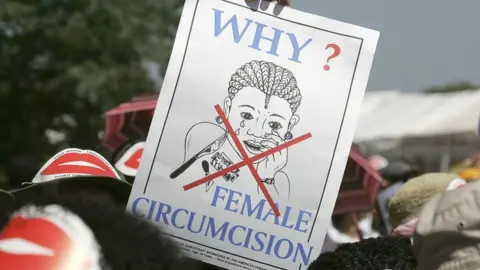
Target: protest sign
[251,133]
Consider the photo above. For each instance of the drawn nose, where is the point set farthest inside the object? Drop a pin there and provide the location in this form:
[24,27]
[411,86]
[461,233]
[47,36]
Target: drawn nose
[256,131]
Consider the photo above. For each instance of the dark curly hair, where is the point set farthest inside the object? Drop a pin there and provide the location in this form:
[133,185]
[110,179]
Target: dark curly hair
[380,253]
[127,242]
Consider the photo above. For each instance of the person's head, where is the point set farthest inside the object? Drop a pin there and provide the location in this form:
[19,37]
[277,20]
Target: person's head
[388,252]
[405,206]
[447,234]
[262,101]
[90,224]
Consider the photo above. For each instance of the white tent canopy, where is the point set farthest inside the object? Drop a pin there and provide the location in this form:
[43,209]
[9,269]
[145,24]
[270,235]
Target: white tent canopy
[397,115]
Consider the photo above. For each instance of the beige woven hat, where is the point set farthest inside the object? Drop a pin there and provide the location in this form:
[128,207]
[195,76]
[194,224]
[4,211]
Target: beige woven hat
[409,199]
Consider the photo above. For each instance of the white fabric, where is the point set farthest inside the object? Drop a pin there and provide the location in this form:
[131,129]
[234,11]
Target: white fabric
[456,183]
[394,114]
[364,225]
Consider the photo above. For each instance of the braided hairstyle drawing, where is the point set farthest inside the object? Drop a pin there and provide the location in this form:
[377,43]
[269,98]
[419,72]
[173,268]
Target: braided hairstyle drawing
[271,79]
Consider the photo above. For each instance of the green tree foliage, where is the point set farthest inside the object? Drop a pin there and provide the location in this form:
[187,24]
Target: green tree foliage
[63,63]
[452,87]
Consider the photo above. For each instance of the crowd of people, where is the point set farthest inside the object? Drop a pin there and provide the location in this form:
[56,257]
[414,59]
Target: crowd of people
[81,218]
[66,218]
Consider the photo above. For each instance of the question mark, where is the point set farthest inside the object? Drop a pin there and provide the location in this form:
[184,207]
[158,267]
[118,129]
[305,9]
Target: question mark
[336,52]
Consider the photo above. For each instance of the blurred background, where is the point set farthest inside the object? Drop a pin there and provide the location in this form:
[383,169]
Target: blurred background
[65,63]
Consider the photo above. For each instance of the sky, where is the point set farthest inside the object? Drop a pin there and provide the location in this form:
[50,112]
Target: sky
[422,43]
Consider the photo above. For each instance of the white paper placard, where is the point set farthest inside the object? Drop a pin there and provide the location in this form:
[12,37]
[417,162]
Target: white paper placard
[253,75]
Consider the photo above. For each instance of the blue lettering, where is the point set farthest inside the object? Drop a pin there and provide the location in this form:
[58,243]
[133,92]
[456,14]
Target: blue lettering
[222,230]
[135,205]
[259,36]
[151,209]
[285,218]
[191,221]
[270,213]
[305,257]
[301,221]
[248,204]
[247,238]
[163,213]
[235,234]
[174,218]
[260,242]
[231,200]
[237,36]
[278,245]
[216,195]
[231,233]
[270,244]
[296,48]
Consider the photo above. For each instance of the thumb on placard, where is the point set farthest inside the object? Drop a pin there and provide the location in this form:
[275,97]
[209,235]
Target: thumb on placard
[281,2]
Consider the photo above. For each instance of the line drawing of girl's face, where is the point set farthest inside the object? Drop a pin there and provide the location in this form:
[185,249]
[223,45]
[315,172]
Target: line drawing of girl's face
[253,123]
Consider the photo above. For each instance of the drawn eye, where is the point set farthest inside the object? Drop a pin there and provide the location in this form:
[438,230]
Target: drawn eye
[274,125]
[246,115]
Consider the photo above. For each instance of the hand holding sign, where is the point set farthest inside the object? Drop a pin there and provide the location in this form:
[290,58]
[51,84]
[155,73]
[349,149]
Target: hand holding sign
[281,2]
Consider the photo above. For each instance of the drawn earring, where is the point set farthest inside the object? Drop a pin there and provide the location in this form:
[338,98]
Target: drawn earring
[218,119]
[242,123]
[288,136]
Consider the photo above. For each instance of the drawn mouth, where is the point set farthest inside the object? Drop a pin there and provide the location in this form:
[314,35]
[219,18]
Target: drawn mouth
[253,146]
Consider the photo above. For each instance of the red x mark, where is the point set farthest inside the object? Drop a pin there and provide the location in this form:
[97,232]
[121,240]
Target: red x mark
[246,161]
